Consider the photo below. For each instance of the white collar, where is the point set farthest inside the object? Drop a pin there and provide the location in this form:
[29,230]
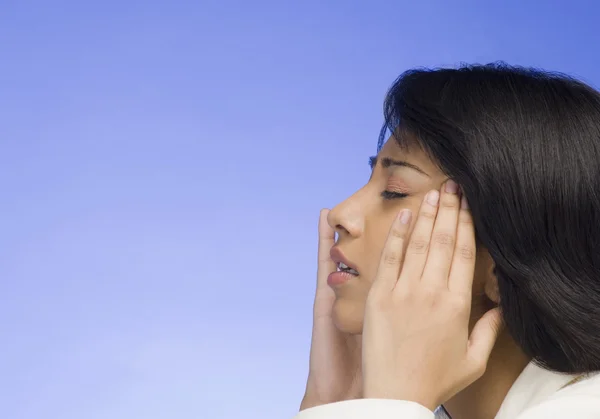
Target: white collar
[533,385]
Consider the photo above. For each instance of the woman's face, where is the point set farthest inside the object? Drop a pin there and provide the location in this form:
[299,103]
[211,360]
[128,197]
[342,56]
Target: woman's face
[400,179]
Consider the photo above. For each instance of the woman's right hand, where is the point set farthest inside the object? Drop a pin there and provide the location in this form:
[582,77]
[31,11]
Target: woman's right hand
[335,357]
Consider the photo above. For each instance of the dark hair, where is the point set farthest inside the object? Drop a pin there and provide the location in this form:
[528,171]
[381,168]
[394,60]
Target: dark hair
[524,145]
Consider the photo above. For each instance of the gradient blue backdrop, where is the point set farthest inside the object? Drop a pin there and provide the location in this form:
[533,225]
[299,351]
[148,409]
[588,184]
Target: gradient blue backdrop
[162,165]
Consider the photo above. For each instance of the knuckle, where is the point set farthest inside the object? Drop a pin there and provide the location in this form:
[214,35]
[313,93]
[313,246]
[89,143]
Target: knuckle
[391,258]
[418,246]
[449,202]
[430,297]
[430,293]
[403,294]
[397,233]
[466,252]
[443,239]
[427,214]
[465,219]
[460,304]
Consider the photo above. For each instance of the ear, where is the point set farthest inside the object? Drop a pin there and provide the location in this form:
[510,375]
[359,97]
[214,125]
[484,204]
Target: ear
[491,284]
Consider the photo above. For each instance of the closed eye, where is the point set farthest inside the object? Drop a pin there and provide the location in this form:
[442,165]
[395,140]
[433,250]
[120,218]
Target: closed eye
[389,195]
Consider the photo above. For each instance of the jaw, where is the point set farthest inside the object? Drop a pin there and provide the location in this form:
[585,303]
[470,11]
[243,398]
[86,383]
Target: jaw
[348,315]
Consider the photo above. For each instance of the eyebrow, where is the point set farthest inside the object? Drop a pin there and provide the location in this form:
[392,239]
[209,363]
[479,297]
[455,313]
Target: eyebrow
[388,162]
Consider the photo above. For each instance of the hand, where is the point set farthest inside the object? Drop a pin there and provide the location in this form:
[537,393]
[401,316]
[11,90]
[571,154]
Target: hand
[416,343]
[335,357]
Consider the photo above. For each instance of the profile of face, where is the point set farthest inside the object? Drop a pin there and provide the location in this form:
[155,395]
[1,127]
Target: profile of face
[400,179]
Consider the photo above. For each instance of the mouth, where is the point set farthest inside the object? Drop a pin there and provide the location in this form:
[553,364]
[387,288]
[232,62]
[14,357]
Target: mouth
[343,265]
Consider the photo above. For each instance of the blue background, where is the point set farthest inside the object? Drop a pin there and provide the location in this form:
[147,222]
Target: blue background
[162,165]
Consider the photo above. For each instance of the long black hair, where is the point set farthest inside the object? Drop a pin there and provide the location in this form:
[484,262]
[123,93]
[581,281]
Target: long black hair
[524,145]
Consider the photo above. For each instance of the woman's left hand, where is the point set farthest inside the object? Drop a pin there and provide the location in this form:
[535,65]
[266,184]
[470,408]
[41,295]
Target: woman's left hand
[416,342]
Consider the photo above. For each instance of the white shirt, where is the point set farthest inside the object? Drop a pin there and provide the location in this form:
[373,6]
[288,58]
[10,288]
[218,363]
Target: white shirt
[536,394]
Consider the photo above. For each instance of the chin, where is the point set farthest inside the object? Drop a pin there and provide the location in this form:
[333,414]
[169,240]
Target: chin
[348,315]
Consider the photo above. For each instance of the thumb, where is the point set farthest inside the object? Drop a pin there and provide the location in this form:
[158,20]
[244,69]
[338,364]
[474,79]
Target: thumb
[484,336]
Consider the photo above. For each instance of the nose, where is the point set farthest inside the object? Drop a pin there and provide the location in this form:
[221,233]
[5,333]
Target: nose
[347,218]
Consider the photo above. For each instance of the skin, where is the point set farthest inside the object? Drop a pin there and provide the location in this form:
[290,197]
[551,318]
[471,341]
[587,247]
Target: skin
[363,222]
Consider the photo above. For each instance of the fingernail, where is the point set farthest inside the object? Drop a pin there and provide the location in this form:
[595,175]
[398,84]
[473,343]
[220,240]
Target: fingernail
[433,197]
[451,186]
[405,216]
[463,203]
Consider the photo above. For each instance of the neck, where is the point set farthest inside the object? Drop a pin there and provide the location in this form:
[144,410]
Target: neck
[482,399]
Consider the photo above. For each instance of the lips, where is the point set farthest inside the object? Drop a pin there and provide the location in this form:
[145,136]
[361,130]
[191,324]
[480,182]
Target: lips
[343,264]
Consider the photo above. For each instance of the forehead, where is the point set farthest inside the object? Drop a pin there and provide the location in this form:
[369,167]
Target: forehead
[413,154]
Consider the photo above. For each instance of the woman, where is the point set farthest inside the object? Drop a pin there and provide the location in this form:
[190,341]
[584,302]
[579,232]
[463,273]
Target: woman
[490,309]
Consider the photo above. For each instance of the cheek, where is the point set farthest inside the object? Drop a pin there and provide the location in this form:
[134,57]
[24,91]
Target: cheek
[379,228]
[377,236]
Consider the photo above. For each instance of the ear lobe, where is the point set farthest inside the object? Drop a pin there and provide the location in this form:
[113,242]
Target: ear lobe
[491,286]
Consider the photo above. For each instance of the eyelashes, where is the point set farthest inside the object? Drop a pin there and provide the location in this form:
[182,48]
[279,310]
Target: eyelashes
[389,195]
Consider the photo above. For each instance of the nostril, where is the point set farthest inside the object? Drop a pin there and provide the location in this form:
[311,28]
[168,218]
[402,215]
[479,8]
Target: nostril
[339,228]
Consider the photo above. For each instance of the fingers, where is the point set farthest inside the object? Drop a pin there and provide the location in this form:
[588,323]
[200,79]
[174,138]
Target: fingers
[484,337]
[463,262]
[326,241]
[392,254]
[418,244]
[443,237]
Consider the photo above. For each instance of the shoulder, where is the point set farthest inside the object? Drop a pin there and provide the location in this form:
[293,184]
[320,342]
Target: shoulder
[579,400]
[586,386]
[368,409]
